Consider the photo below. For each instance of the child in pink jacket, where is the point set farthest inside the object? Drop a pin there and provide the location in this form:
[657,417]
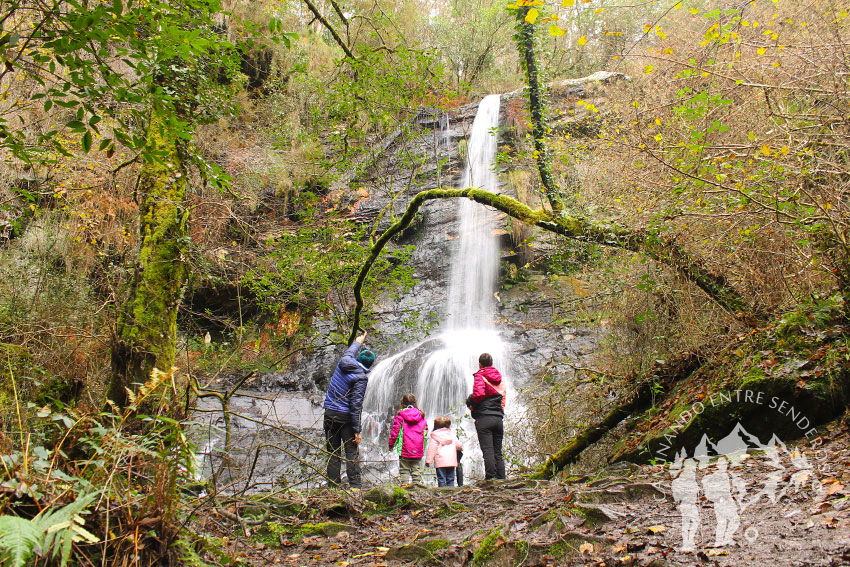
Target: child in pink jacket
[410,429]
[442,451]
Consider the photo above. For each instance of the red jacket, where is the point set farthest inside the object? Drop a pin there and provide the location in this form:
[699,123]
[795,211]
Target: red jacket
[488,393]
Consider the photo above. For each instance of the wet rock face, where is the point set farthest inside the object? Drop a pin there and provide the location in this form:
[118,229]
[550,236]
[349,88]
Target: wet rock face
[524,313]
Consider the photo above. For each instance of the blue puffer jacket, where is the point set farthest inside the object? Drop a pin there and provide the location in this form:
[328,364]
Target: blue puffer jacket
[348,386]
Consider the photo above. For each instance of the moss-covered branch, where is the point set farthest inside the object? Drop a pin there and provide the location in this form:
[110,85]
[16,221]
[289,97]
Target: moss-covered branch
[578,228]
[662,377]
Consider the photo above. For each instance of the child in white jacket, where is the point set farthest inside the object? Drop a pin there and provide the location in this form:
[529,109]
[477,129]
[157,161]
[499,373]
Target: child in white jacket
[442,451]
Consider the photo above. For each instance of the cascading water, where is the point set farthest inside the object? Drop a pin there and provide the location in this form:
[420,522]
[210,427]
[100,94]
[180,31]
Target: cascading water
[439,370]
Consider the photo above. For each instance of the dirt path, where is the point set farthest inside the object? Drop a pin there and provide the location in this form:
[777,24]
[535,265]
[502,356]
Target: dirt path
[625,516]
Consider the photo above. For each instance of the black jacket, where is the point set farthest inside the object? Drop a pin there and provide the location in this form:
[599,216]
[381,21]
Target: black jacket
[491,405]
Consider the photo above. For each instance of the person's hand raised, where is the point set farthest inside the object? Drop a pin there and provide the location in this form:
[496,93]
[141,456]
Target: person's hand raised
[362,338]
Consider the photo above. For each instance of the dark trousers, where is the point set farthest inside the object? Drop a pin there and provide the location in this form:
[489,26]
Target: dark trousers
[445,476]
[338,435]
[491,431]
[459,471]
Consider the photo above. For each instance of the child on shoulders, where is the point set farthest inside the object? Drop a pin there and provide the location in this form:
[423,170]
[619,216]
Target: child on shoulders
[410,428]
[443,450]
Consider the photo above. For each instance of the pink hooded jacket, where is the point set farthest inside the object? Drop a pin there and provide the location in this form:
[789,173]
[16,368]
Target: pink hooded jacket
[443,448]
[411,421]
[488,382]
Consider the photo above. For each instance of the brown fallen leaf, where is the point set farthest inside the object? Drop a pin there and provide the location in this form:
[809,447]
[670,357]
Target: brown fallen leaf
[834,487]
[586,548]
[716,552]
[830,523]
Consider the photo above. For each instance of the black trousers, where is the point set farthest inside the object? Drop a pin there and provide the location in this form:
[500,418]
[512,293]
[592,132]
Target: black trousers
[339,436]
[490,429]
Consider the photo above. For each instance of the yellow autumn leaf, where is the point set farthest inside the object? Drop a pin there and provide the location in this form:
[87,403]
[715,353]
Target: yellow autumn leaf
[648,69]
[531,16]
[555,31]
[658,137]
[658,121]
[567,3]
[765,149]
[760,50]
[582,40]
[656,529]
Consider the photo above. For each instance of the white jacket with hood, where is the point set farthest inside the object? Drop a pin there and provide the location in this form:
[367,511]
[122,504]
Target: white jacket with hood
[442,448]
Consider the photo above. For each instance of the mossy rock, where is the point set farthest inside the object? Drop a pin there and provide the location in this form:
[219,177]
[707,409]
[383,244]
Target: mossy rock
[386,497]
[593,515]
[281,506]
[449,509]
[271,532]
[486,552]
[421,549]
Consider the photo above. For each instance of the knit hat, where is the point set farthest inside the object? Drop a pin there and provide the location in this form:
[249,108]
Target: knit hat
[366,358]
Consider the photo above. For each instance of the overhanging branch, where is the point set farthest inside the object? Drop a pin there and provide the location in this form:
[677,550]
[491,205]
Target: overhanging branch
[666,251]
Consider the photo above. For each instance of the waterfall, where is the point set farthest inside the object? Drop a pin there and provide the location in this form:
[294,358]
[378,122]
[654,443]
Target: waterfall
[439,369]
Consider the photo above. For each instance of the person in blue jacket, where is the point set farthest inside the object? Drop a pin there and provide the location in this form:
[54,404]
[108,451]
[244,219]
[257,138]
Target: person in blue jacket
[343,404]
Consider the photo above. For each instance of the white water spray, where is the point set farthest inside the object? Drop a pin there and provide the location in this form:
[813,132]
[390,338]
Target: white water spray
[439,370]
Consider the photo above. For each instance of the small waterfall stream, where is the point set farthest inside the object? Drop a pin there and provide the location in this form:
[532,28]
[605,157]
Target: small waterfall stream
[439,369]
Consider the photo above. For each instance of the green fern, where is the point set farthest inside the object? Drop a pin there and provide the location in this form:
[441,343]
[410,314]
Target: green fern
[19,538]
[53,532]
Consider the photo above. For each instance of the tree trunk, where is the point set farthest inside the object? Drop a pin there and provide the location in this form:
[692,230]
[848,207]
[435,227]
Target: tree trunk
[537,107]
[146,329]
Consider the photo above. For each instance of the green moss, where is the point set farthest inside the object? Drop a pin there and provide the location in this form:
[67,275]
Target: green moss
[522,548]
[487,547]
[435,544]
[449,509]
[421,549]
[560,550]
[270,533]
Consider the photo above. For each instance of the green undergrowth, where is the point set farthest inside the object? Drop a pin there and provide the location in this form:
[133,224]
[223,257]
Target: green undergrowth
[780,380]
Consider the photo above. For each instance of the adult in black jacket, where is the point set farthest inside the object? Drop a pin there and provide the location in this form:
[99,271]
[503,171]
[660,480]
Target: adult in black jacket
[487,405]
